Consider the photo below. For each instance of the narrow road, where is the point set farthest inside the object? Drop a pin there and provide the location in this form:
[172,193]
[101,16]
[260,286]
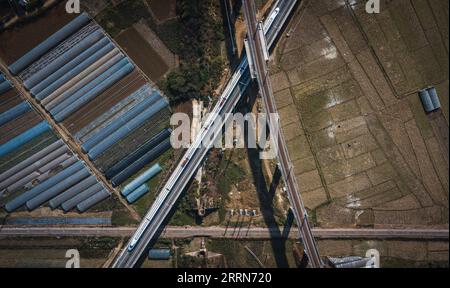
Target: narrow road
[223,232]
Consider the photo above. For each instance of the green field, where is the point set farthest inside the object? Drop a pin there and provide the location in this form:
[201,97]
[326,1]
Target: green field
[124,15]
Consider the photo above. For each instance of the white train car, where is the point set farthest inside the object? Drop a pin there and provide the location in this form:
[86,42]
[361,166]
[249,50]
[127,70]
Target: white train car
[262,38]
[271,19]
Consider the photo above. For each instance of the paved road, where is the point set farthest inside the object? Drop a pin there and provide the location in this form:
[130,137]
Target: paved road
[230,232]
[257,47]
[192,159]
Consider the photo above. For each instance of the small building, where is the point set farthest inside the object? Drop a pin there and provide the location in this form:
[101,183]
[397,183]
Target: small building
[159,254]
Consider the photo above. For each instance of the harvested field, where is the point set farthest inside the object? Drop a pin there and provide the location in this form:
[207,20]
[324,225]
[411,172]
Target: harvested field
[114,19]
[237,256]
[115,112]
[142,53]
[12,44]
[26,150]
[157,264]
[358,144]
[93,7]
[50,252]
[104,102]
[18,126]
[163,10]
[135,139]
[158,45]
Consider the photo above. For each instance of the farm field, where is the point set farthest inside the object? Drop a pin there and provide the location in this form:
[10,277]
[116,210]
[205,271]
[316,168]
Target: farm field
[163,10]
[126,14]
[150,36]
[51,252]
[142,54]
[233,253]
[236,255]
[34,31]
[131,142]
[364,151]
[393,253]
[32,158]
[25,151]
[89,91]
[102,103]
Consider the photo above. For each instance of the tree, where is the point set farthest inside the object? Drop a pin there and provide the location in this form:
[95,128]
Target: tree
[201,63]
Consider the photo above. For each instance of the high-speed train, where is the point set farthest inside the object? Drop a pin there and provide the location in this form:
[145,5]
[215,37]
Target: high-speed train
[198,141]
[196,144]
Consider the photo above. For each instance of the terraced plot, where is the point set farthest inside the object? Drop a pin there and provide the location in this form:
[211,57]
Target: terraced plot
[365,153]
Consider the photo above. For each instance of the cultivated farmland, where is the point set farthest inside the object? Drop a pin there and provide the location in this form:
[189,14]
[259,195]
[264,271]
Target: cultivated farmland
[36,166]
[86,84]
[142,53]
[35,31]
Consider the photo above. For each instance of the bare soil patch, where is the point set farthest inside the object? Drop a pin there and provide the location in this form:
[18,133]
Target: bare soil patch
[142,54]
[163,10]
[132,141]
[158,45]
[17,41]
